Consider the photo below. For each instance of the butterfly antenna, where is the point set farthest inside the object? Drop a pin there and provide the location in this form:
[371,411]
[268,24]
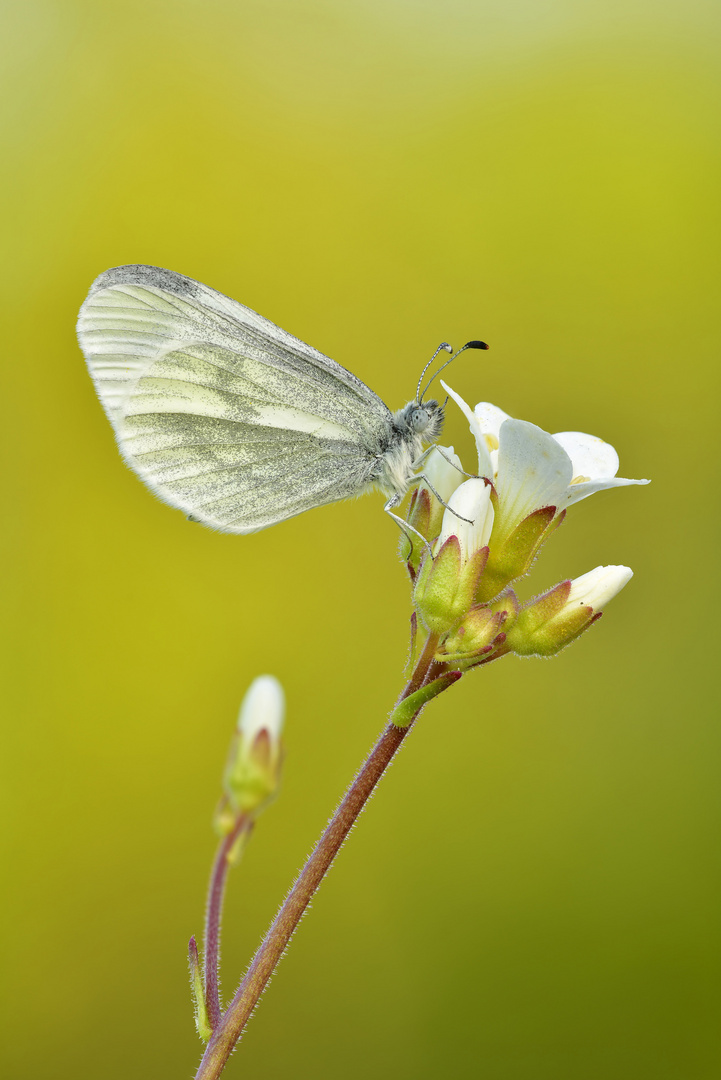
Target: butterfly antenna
[468,345]
[443,347]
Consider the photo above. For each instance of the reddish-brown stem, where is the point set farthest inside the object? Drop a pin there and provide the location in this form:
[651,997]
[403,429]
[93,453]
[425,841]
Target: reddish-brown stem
[213,913]
[228,1031]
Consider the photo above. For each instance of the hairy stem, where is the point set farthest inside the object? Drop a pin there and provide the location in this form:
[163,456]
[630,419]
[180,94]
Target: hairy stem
[214,910]
[231,1025]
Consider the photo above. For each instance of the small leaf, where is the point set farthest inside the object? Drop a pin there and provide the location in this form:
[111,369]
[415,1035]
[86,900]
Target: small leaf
[407,709]
[202,1023]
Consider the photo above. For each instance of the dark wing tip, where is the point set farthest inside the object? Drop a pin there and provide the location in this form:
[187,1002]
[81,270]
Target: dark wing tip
[141,274]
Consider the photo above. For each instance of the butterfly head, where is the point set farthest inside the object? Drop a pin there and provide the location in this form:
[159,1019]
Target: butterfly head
[413,428]
[426,420]
[422,423]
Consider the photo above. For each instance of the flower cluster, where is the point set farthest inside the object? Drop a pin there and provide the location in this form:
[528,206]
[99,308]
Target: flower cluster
[489,532]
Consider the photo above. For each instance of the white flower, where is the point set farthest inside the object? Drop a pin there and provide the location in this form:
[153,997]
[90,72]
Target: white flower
[598,586]
[472,500]
[531,468]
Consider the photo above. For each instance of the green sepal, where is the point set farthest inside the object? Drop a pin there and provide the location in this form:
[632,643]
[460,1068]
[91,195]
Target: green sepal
[495,651]
[556,635]
[514,556]
[544,608]
[436,587]
[555,524]
[475,634]
[413,646]
[446,586]
[252,773]
[547,624]
[508,602]
[225,817]
[406,710]
[435,519]
[202,1023]
[471,577]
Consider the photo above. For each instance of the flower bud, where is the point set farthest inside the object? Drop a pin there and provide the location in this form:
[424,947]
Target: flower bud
[425,512]
[447,584]
[469,516]
[475,636]
[445,478]
[553,620]
[252,773]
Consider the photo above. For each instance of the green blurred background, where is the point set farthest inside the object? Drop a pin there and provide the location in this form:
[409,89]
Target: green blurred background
[533,891]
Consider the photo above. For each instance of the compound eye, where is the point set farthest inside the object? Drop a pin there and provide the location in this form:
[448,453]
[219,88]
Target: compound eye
[419,418]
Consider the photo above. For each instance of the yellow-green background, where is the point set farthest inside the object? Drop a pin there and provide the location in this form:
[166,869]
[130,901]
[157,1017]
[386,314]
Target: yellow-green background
[533,892]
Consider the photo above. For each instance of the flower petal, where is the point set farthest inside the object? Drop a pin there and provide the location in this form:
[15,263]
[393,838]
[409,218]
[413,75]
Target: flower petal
[485,465]
[444,477]
[471,500]
[533,471]
[490,418]
[263,708]
[576,492]
[591,457]
[598,586]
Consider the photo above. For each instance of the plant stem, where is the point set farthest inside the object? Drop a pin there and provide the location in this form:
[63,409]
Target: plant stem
[231,1025]
[214,910]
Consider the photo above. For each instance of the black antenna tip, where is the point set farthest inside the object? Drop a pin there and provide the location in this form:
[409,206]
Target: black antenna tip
[444,345]
[476,345]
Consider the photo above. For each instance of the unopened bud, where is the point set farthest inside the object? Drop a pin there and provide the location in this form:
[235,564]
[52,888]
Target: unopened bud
[447,584]
[469,516]
[443,473]
[556,618]
[252,774]
[476,635]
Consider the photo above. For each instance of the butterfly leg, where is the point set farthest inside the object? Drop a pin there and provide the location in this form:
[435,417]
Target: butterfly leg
[444,455]
[423,458]
[405,528]
[429,485]
[420,461]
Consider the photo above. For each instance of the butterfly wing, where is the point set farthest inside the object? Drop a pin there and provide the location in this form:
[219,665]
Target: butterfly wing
[221,413]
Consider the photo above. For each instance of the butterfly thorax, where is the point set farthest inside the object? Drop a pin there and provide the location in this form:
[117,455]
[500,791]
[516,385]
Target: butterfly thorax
[414,428]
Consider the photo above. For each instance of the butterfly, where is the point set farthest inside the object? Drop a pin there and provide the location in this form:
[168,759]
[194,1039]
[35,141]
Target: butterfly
[231,419]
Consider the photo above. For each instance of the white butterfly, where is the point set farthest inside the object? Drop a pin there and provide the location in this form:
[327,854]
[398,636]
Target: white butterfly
[231,419]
